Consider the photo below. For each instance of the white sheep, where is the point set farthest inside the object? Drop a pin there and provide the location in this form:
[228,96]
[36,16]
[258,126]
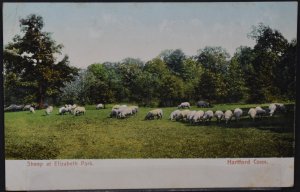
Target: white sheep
[114,112]
[63,110]
[259,111]
[100,106]
[79,111]
[182,115]
[208,115]
[219,115]
[174,114]
[31,109]
[191,115]
[237,113]
[26,107]
[228,115]
[134,109]
[184,105]
[124,112]
[272,109]
[252,113]
[154,113]
[275,107]
[198,116]
[49,110]
[116,107]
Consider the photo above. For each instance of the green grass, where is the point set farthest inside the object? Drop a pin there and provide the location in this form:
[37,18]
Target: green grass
[95,136]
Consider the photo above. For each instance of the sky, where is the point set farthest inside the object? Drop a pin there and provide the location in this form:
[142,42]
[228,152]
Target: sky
[100,32]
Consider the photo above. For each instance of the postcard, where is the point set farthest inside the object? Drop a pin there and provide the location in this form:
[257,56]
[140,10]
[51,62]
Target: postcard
[149,95]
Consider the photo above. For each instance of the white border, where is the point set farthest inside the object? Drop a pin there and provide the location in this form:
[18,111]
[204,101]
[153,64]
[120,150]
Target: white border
[148,173]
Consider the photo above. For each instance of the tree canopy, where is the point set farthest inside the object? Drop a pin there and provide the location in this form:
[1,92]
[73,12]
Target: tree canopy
[30,64]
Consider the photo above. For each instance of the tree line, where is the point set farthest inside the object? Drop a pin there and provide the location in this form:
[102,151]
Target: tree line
[264,73]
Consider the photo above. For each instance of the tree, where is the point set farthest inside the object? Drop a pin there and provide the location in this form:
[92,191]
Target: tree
[269,49]
[174,60]
[31,57]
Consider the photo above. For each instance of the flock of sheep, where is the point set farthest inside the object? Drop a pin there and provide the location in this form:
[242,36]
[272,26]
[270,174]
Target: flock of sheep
[191,116]
[197,116]
[71,109]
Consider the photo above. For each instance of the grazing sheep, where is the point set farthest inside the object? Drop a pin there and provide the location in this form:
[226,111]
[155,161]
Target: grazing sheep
[100,106]
[228,115]
[31,109]
[252,113]
[219,115]
[49,110]
[203,104]
[79,111]
[280,107]
[182,115]
[259,111]
[63,110]
[198,116]
[174,114]
[191,115]
[124,112]
[208,115]
[154,113]
[114,113]
[26,107]
[276,107]
[14,107]
[237,113]
[272,109]
[134,109]
[184,105]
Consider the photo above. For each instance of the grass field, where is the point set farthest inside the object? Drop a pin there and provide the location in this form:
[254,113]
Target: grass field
[95,136]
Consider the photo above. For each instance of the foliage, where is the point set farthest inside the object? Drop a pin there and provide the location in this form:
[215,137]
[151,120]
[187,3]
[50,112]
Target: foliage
[30,62]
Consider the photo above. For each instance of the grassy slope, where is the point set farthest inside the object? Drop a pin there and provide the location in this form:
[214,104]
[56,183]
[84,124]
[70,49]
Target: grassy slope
[94,135]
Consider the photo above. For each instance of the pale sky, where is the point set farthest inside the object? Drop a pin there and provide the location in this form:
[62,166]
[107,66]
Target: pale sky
[99,32]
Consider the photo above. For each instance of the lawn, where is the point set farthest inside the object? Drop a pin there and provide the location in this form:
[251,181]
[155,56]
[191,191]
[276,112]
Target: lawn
[95,136]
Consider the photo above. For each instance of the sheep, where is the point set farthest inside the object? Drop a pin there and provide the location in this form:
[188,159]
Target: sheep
[154,113]
[174,114]
[219,115]
[100,106]
[49,110]
[184,105]
[31,109]
[191,115]
[79,111]
[203,104]
[252,113]
[26,107]
[275,107]
[228,115]
[182,115]
[114,112]
[272,108]
[259,111]
[14,107]
[237,113]
[198,116]
[124,112]
[134,109]
[63,110]
[208,115]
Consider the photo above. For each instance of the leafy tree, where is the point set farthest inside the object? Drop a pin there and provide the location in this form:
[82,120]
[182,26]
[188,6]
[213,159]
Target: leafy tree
[269,49]
[174,60]
[214,59]
[31,57]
